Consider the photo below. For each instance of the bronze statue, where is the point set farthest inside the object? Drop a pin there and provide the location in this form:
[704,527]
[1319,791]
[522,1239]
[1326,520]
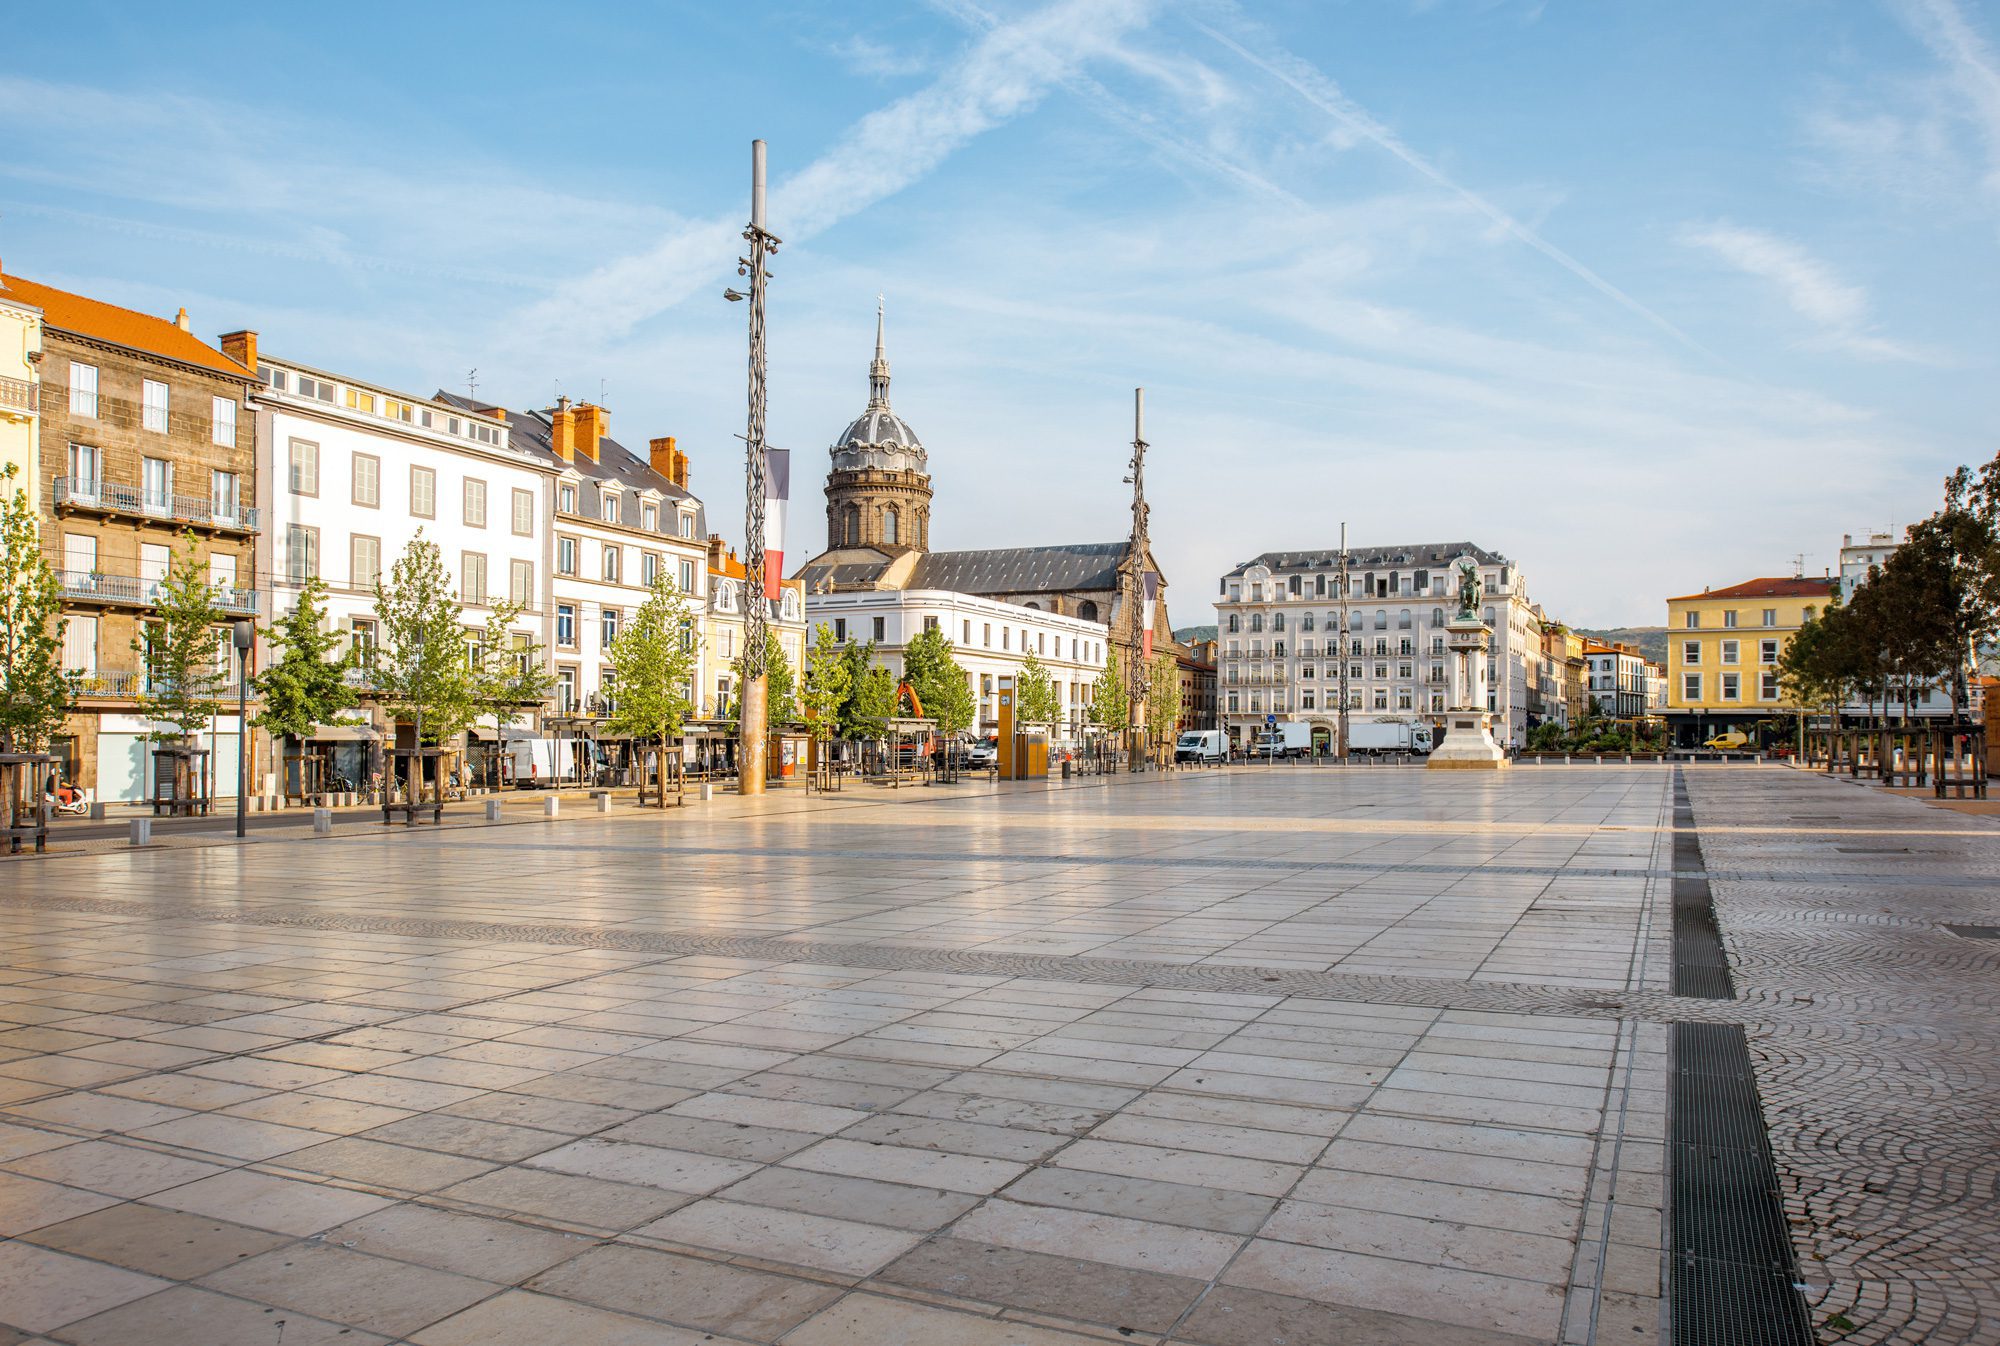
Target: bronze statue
[1468,590]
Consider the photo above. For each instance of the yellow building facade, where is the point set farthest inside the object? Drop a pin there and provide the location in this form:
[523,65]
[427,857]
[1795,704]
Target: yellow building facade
[20,391]
[1723,650]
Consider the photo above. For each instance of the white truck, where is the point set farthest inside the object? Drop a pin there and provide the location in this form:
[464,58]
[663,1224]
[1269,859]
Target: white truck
[1286,738]
[1373,737]
[1200,745]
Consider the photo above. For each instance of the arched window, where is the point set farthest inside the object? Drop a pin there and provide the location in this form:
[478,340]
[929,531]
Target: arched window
[1277,621]
[850,527]
[1087,610]
[1437,616]
[1032,604]
[889,522]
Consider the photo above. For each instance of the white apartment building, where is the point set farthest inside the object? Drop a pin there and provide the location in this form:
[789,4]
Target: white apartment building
[350,472]
[989,639]
[1874,549]
[619,520]
[1287,633]
[1619,681]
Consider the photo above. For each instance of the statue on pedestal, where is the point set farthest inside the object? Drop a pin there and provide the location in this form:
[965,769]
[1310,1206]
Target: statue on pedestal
[1468,591]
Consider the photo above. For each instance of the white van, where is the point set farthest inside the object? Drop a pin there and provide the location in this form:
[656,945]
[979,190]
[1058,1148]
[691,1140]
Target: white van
[1200,745]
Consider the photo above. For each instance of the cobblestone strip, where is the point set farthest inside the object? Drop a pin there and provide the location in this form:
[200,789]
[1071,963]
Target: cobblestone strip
[1882,1106]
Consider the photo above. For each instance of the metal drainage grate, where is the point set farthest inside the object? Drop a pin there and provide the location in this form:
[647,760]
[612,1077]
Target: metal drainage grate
[1701,965]
[1975,931]
[1735,1277]
[1873,850]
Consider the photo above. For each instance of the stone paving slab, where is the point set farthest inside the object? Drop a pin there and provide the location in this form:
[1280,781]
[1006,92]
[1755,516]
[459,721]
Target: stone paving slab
[1226,1058]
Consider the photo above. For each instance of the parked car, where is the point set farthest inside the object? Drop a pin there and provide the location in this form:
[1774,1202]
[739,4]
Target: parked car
[983,753]
[1733,741]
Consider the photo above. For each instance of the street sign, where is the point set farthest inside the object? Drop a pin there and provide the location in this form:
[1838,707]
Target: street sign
[1270,719]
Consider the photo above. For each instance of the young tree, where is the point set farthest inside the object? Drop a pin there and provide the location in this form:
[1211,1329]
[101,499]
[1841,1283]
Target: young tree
[857,660]
[187,668]
[1108,708]
[781,706]
[823,690]
[35,692]
[872,704]
[424,669]
[1164,706]
[1955,558]
[1035,699]
[931,667]
[654,657]
[305,685]
[511,672]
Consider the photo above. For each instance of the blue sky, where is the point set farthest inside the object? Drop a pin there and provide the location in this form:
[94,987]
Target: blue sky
[1646,297]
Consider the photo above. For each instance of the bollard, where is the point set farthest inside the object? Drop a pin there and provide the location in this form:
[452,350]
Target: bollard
[604,802]
[492,810]
[97,811]
[1065,765]
[142,831]
[322,822]
[707,791]
[551,807]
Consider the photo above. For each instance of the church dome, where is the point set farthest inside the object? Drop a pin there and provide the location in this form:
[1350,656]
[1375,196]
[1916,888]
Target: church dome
[878,438]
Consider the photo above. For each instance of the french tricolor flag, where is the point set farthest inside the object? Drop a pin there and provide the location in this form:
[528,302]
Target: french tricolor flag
[777,495]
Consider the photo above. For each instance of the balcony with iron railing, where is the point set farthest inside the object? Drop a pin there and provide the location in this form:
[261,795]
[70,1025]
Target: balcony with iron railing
[109,497]
[17,397]
[94,586]
[111,684]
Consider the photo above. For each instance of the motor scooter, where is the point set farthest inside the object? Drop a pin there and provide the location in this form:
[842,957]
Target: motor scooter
[75,806]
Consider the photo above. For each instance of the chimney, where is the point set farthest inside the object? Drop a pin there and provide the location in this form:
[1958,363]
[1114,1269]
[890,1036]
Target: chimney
[662,457]
[715,551]
[240,347]
[562,431]
[181,321]
[591,424]
[680,469]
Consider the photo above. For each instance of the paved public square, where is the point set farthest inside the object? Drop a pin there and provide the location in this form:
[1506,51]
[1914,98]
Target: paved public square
[1258,1057]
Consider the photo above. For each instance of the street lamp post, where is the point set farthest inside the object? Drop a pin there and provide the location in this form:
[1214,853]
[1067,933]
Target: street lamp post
[752,698]
[242,635]
[1340,645]
[416,777]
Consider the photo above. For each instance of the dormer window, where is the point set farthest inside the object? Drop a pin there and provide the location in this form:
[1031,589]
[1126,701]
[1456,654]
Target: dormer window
[687,525]
[608,505]
[566,499]
[649,518]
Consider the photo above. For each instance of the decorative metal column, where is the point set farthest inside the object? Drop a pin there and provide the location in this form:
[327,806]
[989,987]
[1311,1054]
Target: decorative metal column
[751,697]
[1340,647]
[1138,680]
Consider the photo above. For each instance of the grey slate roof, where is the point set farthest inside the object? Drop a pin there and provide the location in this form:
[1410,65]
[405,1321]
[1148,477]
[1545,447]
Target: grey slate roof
[1430,554]
[531,431]
[1021,570]
[842,574]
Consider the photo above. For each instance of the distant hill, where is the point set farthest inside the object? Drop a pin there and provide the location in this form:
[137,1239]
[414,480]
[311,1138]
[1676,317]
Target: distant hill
[1188,635]
[1650,641]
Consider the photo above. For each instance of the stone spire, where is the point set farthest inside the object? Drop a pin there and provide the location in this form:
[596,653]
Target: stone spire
[878,368]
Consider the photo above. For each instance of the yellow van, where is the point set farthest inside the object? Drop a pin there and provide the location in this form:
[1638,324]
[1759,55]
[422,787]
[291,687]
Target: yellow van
[1729,742]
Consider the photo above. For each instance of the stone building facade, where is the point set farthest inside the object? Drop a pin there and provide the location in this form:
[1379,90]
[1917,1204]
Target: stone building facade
[146,448]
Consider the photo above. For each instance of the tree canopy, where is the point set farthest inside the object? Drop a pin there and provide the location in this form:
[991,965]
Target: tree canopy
[187,665]
[931,667]
[35,691]
[425,665]
[655,659]
[305,685]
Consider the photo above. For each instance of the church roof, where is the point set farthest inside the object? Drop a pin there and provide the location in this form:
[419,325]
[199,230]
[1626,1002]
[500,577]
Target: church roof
[1022,570]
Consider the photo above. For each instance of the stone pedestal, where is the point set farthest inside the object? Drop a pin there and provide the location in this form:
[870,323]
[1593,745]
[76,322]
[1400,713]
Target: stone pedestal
[1468,726]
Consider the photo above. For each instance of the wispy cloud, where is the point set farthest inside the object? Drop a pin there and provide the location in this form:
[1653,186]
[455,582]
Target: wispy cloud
[1321,92]
[1007,71]
[1837,308]
[865,56]
[1975,71]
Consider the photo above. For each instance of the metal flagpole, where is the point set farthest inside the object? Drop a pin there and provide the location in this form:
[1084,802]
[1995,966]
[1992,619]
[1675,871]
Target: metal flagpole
[751,700]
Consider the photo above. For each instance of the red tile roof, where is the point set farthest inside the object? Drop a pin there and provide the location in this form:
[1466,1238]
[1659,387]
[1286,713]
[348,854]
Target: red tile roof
[94,318]
[1786,587]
